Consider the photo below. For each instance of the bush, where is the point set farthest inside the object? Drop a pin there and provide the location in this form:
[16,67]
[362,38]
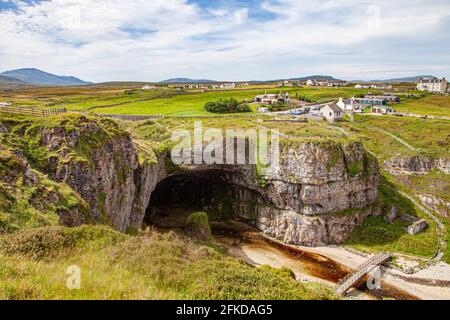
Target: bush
[227,106]
[197,226]
[278,106]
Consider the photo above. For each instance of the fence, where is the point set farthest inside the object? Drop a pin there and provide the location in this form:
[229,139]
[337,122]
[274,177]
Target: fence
[31,111]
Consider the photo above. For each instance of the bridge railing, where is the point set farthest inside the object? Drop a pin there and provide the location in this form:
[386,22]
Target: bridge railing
[360,271]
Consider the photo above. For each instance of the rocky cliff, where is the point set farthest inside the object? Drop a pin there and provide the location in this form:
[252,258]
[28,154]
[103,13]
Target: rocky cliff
[417,164]
[320,192]
[96,159]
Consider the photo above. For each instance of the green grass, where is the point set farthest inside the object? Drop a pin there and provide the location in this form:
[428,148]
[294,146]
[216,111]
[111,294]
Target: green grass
[428,137]
[376,235]
[164,101]
[148,266]
[434,105]
[192,104]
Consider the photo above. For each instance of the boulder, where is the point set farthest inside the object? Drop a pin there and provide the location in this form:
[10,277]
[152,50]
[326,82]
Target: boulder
[197,226]
[391,214]
[417,227]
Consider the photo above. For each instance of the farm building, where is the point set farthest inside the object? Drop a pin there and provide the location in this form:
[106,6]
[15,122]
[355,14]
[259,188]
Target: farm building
[331,112]
[433,85]
[388,98]
[273,98]
[382,110]
[348,104]
[370,101]
[5,104]
[149,87]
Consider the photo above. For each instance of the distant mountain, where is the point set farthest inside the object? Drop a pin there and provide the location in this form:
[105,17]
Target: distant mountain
[34,76]
[313,77]
[186,80]
[397,80]
[10,80]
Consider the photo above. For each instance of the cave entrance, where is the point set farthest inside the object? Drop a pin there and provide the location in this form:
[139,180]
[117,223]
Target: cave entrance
[214,191]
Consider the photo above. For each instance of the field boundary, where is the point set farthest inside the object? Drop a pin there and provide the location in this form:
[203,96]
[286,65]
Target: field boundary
[31,111]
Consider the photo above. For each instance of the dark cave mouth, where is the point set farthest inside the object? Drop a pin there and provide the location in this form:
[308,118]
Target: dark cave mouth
[210,190]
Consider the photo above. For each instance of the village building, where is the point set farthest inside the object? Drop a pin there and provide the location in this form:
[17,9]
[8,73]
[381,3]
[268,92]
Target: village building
[270,99]
[368,102]
[432,85]
[362,86]
[331,112]
[388,98]
[325,83]
[228,85]
[263,109]
[382,109]
[348,104]
[149,87]
[5,104]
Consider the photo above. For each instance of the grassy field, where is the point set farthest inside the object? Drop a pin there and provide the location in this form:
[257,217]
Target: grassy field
[435,105]
[33,265]
[163,101]
[426,136]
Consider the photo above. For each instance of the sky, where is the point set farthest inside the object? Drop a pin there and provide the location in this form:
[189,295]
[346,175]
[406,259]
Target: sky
[153,40]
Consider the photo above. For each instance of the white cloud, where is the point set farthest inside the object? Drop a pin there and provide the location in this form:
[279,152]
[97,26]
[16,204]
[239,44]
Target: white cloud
[150,40]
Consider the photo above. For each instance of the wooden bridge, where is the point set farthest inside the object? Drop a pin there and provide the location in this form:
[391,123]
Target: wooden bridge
[369,265]
[31,111]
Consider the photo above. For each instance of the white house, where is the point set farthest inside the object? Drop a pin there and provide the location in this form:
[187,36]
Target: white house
[273,98]
[348,104]
[331,112]
[433,85]
[381,109]
[228,85]
[5,104]
[149,87]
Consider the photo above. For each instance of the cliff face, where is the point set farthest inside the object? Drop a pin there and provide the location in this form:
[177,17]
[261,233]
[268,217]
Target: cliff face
[417,164]
[320,192]
[98,161]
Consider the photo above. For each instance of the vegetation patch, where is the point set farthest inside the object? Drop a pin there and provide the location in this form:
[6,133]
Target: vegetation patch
[227,106]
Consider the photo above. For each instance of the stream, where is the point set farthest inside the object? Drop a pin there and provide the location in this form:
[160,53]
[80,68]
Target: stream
[247,243]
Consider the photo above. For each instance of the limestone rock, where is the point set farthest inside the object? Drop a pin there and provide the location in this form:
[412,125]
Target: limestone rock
[391,214]
[417,227]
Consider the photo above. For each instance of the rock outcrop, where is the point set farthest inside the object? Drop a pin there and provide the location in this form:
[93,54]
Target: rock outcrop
[319,193]
[99,161]
[317,196]
[437,204]
[417,164]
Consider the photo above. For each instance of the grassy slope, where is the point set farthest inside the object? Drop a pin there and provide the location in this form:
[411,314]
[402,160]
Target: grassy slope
[148,266]
[375,234]
[435,105]
[429,137]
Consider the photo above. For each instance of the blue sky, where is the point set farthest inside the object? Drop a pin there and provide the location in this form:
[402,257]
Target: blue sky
[104,40]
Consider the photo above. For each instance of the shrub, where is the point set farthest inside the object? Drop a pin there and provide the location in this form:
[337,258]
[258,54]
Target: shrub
[197,226]
[227,106]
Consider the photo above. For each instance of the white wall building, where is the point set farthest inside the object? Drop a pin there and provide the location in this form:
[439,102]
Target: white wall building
[331,112]
[433,85]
